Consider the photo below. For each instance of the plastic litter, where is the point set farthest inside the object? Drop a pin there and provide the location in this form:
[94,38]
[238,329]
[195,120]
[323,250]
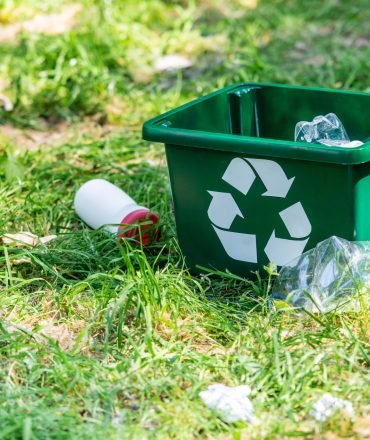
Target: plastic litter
[171,63]
[353,144]
[325,277]
[327,405]
[232,403]
[26,238]
[99,203]
[6,103]
[326,130]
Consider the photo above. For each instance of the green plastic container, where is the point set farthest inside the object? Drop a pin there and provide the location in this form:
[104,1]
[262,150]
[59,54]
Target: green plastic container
[245,193]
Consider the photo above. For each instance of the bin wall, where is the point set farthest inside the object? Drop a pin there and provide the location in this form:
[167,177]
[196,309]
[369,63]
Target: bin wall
[245,193]
[270,111]
[219,225]
[361,176]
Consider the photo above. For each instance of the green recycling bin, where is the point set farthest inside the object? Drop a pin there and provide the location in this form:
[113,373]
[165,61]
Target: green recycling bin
[245,193]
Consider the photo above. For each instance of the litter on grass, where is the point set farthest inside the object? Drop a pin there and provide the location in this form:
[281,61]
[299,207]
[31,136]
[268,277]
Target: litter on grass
[171,63]
[24,239]
[232,403]
[325,277]
[327,405]
[99,204]
[6,103]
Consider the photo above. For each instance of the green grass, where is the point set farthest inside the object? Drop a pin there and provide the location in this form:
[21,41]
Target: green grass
[104,340]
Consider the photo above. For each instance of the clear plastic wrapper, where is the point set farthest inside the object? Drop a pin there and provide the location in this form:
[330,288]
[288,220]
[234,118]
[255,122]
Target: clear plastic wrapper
[326,277]
[328,127]
[327,130]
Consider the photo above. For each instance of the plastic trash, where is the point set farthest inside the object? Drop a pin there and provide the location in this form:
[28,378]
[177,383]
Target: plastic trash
[6,103]
[326,130]
[26,238]
[231,403]
[99,203]
[327,405]
[171,63]
[325,277]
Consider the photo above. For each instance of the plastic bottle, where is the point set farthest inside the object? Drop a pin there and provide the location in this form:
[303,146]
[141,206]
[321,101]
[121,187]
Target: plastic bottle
[99,203]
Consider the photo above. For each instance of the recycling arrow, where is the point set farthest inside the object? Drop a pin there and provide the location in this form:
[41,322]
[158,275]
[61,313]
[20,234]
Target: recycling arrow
[223,209]
[272,176]
[296,221]
[240,175]
[282,251]
[241,247]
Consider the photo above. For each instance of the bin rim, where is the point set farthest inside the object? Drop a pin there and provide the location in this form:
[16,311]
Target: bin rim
[156,130]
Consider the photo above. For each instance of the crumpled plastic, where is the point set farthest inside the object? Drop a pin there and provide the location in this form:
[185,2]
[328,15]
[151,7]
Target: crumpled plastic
[232,403]
[328,405]
[327,130]
[326,277]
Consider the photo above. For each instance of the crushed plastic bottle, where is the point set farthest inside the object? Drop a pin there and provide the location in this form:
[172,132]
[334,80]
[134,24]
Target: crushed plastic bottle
[326,277]
[326,130]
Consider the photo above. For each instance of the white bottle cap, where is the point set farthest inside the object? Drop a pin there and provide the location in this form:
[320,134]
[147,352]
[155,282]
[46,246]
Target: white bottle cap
[100,203]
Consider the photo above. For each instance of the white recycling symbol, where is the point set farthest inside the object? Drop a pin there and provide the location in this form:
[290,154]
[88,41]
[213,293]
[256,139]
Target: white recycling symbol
[223,210]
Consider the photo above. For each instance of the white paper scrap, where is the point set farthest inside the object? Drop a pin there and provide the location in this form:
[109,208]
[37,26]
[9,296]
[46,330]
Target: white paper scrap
[328,405]
[231,403]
